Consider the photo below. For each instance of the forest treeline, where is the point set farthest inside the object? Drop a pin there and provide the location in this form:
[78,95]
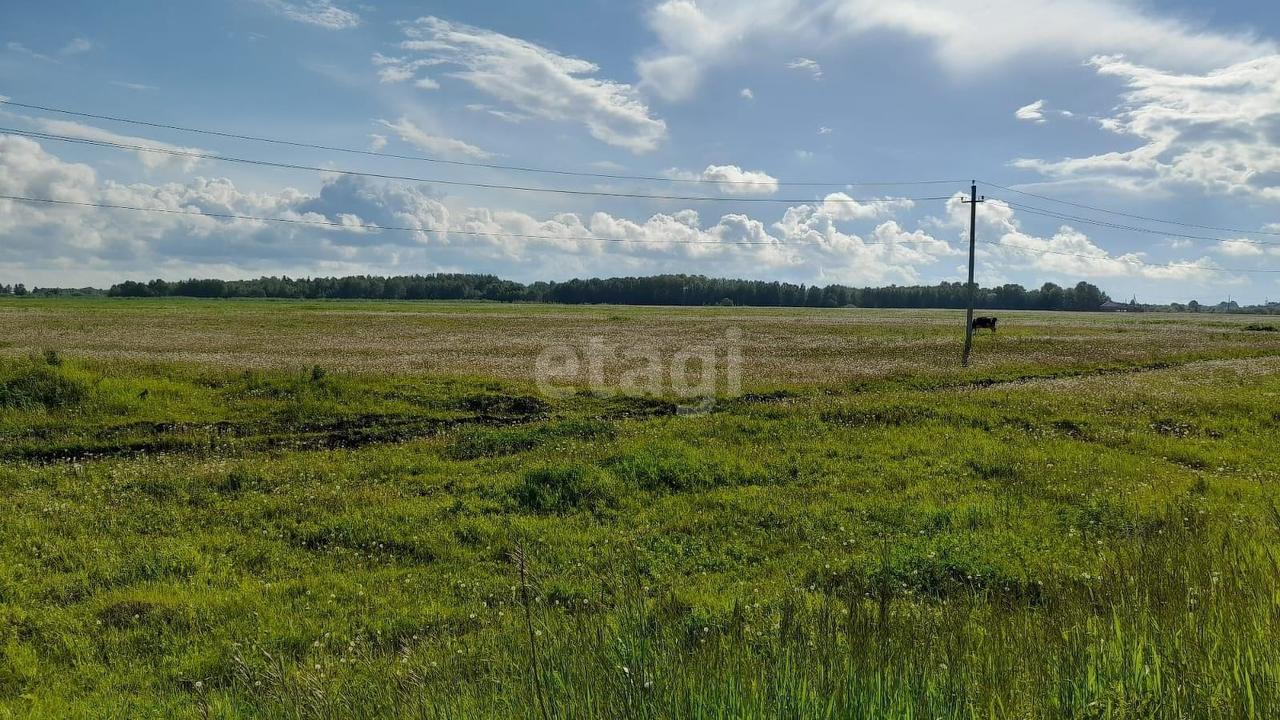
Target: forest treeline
[654,290]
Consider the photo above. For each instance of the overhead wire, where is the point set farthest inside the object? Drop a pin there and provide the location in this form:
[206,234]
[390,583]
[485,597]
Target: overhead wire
[1046,212]
[461,163]
[1132,216]
[438,181]
[1130,261]
[178,152]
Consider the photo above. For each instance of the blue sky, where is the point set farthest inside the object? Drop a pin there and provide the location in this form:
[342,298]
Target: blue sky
[1168,110]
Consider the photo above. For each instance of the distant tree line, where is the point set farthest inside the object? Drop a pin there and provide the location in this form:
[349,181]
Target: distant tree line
[654,290]
[1227,306]
[405,287]
[21,290]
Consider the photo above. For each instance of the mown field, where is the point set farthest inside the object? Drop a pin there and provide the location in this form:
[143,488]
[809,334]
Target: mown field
[364,509]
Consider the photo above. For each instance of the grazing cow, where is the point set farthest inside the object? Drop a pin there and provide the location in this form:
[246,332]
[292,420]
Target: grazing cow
[984,322]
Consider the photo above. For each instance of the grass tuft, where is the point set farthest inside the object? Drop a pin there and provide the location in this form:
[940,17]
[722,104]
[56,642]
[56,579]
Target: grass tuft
[28,384]
[567,488]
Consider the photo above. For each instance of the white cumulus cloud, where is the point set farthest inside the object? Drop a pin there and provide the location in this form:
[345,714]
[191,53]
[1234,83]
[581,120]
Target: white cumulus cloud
[394,74]
[1216,131]
[733,180]
[149,160]
[320,13]
[439,144]
[1033,112]
[1240,248]
[539,82]
[400,69]
[1068,253]
[842,207]
[890,255]
[514,118]
[808,65]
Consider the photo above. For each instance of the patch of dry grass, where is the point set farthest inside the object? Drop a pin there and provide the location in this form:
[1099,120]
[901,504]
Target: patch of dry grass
[788,346]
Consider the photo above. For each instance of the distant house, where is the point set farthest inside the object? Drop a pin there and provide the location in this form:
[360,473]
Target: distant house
[1113,306]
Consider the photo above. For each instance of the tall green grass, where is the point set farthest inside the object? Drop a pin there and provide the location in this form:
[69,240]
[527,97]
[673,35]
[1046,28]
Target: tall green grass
[181,541]
[1181,627]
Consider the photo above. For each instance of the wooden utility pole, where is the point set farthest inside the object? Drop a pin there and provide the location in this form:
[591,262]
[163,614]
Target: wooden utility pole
[971,290]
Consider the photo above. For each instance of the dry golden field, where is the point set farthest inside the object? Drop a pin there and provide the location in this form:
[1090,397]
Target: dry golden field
[501,341]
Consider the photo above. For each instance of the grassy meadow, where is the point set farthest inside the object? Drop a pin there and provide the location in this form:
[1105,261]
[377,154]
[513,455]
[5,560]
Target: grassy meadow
[286,509]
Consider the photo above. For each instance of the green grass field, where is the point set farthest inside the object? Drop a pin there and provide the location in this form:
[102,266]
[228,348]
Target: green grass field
[365,509]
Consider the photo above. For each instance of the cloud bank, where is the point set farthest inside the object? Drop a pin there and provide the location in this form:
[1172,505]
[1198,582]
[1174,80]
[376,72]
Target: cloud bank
[1218,131]
[444,233]
[696,37]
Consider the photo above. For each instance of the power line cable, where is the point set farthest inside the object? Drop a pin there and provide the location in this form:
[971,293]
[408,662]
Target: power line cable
[1133,215]
[224,158]
[1131,261]
[444,231]
[460,163]
[1033,210]
[408,178]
